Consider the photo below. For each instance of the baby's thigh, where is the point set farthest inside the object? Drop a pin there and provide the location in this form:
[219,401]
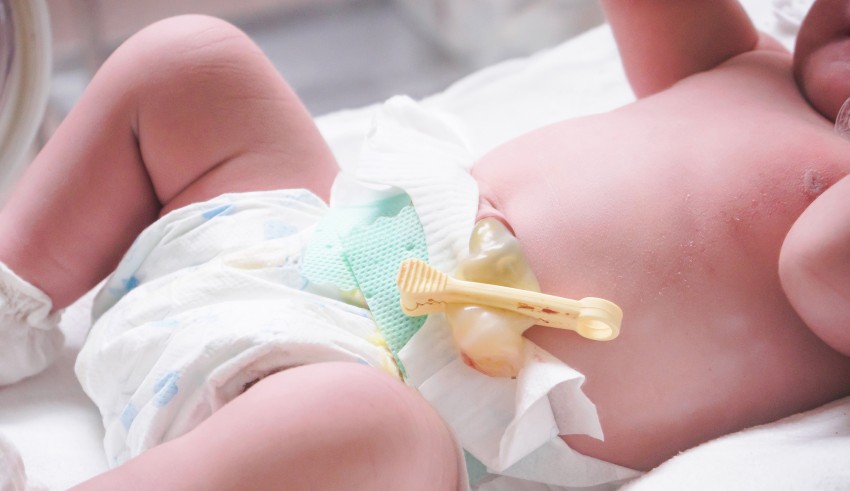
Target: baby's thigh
[343,426]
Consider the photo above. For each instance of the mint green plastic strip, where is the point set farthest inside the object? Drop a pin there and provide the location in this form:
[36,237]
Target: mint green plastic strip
[374,254]
[324,259]
[361,248]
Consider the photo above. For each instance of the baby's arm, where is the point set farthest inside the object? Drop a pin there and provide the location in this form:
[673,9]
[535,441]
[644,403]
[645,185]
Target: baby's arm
[815,266]
[664,41]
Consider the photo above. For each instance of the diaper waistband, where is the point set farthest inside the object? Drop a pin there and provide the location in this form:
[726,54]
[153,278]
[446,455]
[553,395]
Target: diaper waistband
[410,196]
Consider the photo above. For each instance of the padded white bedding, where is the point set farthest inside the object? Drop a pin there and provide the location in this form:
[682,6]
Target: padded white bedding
[58,431]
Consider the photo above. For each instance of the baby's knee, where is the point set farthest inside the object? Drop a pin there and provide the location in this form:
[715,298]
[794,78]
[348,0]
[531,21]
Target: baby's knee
[183,53]
[201,37]
[185,37]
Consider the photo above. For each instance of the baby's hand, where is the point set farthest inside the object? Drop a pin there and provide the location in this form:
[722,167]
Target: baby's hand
[814,266]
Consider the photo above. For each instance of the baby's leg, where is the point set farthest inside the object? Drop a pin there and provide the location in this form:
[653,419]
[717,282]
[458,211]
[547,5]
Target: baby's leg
[187,109]
[325,426]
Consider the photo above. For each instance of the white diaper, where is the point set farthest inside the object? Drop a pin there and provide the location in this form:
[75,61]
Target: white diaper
[212,297]
[208,300]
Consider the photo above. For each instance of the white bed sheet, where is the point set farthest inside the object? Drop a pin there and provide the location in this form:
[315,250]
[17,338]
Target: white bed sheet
[58,431]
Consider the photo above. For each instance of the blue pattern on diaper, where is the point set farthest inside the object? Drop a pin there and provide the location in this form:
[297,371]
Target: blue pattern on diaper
[303,196]
[128,415]
[275,229]
[130,283]
[304,283]
[218,210]
[165,388]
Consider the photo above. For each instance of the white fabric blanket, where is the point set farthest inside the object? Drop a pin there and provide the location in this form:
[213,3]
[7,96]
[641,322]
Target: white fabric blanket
[59,433]
[805,451]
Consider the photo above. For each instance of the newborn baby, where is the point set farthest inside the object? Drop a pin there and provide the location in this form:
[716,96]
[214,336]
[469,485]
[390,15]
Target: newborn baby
[676,208]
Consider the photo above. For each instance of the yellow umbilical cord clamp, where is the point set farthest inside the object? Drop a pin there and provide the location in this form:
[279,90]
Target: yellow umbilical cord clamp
[425,290]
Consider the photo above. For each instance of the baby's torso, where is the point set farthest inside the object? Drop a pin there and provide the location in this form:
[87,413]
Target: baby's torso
[676,207]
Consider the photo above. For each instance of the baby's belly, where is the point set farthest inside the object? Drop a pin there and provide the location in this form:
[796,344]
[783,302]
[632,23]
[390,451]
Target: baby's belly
[709,344]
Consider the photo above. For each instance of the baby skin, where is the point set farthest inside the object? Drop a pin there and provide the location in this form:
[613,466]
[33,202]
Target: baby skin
[676,208]
[711,210]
